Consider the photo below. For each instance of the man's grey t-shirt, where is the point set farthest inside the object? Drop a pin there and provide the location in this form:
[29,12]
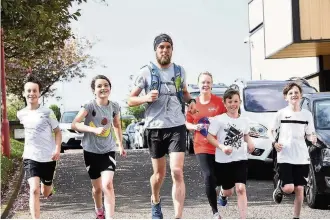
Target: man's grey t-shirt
[100,116]
[166,111]
[39,135]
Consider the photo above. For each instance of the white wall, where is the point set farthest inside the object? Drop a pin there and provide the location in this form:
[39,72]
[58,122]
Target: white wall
[277,25]
[255,14]
[277,69]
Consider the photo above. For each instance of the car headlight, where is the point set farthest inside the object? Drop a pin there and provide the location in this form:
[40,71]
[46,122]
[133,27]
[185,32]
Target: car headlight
[257,130]
[326,156]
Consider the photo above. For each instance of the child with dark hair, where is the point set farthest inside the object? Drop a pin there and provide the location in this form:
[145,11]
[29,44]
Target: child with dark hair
[42,145]
[99,146]
[231,130]
[293,124]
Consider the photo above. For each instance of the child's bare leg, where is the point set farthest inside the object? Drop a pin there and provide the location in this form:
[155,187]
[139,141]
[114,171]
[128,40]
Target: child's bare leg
[241,200]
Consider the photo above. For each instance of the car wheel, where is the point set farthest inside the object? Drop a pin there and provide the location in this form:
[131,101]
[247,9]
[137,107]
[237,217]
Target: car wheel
[314,200]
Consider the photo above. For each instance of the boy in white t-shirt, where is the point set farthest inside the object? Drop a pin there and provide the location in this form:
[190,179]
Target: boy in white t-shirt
[294,124]
[231,158]
[42,145]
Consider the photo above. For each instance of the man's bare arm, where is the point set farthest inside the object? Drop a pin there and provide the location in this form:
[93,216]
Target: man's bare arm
[135,100]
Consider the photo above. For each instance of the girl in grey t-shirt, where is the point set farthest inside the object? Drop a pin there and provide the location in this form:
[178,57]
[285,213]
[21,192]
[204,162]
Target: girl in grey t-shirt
[99,145]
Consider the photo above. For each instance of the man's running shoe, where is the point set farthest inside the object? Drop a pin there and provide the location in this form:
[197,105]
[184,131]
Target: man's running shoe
[156,210]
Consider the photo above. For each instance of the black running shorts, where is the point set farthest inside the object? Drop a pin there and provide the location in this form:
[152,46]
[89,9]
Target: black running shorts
[293,174]
[97,163]
[166,140]
[44,170]
[228,174]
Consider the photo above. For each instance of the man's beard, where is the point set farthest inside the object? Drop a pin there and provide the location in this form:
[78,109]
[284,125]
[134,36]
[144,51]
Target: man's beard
[163,60]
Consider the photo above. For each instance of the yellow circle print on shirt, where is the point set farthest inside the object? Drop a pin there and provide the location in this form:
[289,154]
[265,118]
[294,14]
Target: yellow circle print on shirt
[105,134]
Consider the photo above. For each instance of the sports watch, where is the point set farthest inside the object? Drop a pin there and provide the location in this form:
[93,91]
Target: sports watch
[191,100]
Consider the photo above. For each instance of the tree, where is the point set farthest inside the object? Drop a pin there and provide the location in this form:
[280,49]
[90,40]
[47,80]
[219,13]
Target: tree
[35,27]
[57,111]
[62,64]
[14,105]
[137,111]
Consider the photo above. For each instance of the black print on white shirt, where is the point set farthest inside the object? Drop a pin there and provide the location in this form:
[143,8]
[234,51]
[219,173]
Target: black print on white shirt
[233,136]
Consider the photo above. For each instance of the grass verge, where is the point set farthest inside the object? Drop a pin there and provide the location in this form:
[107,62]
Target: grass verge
[8,165]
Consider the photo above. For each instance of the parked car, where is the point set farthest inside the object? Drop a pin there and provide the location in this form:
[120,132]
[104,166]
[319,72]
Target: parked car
[129,134]
[218,90]
[126,141]
[318,185]
[139,135]
[261,99]
[133,137]
[71,139]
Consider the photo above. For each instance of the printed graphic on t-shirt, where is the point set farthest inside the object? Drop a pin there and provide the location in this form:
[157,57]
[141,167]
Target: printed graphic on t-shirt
[212,109]
[233,136]
[103,122]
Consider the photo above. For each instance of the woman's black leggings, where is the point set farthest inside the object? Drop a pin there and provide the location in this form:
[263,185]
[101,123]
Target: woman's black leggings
[207,164]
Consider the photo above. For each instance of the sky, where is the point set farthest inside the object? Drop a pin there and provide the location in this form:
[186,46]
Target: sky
[208,35]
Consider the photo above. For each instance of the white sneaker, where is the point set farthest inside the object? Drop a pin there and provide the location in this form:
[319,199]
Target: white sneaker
[216,216]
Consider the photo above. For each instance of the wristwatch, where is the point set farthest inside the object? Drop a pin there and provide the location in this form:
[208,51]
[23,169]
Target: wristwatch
[191,100]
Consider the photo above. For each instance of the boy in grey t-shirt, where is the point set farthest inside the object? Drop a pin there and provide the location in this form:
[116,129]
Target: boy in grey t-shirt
[98,143]
[42,145]
[164,120]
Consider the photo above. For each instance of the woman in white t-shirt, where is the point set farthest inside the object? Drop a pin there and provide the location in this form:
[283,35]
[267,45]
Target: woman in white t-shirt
[292,152]
[232,146]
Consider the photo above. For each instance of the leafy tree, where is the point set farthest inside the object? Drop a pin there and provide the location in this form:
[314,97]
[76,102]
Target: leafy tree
[137,111]
[35,27]
[14,104]
[62,64]
[56,110]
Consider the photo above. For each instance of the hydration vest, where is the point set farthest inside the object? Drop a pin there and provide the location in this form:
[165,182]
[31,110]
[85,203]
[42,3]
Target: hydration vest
[177,81]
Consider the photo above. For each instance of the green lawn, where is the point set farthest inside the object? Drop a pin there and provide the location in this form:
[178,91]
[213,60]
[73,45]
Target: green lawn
[7,165]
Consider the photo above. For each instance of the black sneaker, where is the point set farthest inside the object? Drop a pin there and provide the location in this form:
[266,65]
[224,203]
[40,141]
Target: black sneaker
[278,193]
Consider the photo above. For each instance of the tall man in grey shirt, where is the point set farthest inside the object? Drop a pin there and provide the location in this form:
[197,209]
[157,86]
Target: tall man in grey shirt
[164,122]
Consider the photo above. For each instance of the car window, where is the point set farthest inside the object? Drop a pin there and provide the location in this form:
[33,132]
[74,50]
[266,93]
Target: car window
[322,114]
[266,98]
[131,128]
[195,94]
[305,104]
[68,117]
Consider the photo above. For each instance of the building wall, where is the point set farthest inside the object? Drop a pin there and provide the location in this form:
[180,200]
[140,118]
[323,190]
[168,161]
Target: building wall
[277,69]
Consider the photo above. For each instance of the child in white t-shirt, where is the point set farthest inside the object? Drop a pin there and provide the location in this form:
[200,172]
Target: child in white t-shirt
[42,145]
[293,124]
[231,131]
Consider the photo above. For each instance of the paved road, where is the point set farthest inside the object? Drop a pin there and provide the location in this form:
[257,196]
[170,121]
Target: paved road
[73,193]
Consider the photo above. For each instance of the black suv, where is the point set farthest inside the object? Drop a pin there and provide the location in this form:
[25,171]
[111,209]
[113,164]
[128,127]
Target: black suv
[318,185]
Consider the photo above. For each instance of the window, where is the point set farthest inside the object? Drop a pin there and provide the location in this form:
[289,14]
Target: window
[322,114]
[195,94]
[68,117]
[266,98]
[305,104]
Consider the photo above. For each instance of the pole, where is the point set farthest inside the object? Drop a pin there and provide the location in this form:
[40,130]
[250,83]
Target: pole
[5,123]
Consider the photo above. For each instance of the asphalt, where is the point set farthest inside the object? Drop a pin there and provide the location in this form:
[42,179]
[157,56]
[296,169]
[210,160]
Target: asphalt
[73,198]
